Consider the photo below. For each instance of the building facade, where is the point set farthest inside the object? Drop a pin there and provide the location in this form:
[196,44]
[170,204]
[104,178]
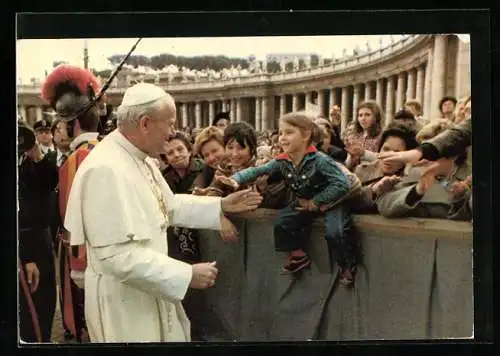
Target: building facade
[422,67]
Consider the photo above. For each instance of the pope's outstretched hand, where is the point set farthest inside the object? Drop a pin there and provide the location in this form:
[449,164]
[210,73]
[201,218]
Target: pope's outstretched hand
[241,201]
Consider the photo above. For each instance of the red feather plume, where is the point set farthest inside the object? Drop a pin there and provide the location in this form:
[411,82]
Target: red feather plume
[70,75]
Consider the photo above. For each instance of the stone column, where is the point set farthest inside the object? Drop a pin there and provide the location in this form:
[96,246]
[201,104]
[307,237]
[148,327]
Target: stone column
[438,85]
[344,116]
[282,105]
[321,102]
[400,97]
[39,113]
[368,91]
[295,102]
[184,109]
[265,113]
[420,85]
[238,110]
[258,114]
[309,97]
[211,112]
[427,85]
[232,113]
[197,114]
[23,114]
[355,100]
[380,92]
[332,99]
[389,103]
[462,71]
[410,90]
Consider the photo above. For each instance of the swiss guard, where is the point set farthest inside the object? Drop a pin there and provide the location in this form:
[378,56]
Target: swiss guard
[71,92]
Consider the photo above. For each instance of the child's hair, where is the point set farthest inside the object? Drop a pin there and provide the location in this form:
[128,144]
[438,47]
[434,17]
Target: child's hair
[304,122]
[181,136]
[376,114]
[206,135]
[243,133]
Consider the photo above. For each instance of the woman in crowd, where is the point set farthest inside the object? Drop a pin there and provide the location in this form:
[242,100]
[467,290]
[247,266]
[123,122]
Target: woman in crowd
[319,184]
[330,141]
[209,145]
[379,177]
[431,195]
[181,170]
[363,141]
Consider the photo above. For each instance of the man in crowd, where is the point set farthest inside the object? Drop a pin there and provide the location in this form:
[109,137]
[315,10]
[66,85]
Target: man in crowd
[37,296]
[120,207]
[447,107]
[335,116]
[221,121]
[44,136]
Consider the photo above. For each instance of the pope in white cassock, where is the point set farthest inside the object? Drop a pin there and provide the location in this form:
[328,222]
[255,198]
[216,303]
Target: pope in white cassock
[120,207]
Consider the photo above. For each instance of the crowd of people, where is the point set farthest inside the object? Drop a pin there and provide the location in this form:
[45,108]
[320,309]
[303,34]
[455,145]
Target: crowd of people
[114,203]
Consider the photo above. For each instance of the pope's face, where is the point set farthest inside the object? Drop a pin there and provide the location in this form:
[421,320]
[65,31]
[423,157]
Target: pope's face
[160,128]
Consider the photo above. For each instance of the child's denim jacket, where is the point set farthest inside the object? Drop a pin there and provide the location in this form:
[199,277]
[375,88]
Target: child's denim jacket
[318,176]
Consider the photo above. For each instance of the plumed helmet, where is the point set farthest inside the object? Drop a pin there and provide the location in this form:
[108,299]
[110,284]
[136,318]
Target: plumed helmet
[68,89]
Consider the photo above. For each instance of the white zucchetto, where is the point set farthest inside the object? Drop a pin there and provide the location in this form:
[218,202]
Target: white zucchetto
[142,93]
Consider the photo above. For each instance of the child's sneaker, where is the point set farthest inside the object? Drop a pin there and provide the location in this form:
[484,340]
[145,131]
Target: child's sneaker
[296,264]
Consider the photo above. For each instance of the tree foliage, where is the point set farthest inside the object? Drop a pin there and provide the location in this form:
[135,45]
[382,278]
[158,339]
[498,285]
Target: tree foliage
[198,63]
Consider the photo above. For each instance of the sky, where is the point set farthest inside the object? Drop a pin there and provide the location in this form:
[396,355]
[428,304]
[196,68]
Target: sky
[35,56]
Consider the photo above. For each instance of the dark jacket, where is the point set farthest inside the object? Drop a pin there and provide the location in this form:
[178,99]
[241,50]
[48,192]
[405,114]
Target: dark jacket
[180,185]
[318,177]
[37,182]
[448,143]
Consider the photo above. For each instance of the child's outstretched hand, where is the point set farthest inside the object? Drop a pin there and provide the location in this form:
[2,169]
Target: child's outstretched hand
[228,231]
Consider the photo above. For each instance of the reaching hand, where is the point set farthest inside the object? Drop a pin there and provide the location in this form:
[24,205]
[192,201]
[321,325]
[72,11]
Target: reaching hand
[241,201]
[204,275]
[200,191]
[441,167]
[458,189]
[32,276]
[261,182]
[228,181]
[385,184]
[426,180]
[411,156]
[228,231]
[356,151]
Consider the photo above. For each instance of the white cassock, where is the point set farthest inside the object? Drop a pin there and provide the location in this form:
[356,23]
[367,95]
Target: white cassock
[133,289]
